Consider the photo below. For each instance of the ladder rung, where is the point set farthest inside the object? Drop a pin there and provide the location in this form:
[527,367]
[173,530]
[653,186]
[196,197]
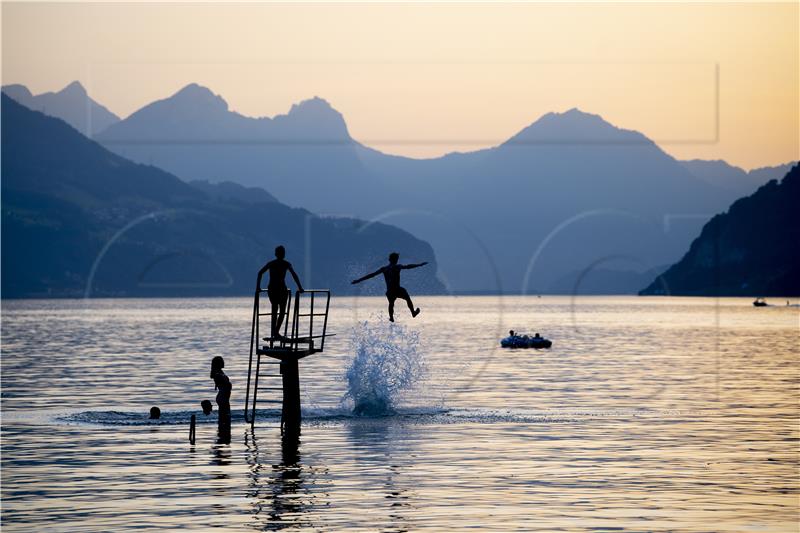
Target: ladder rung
[270,388]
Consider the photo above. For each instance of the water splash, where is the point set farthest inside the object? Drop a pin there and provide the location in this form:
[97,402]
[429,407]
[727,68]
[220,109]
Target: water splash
[388,362]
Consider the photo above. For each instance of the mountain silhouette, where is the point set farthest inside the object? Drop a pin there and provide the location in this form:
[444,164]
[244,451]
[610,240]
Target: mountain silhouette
[195,114]
[78,219]
[753,249]
[575,127]
[726,176]
[568,191]
[305,157]
[71,104]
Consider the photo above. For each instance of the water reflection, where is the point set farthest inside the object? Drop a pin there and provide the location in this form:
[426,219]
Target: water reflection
[221,456]
[281,493]
[224,430]
[375,443]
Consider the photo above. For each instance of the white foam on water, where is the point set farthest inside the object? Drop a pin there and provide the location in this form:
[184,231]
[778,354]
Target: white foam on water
[388,362]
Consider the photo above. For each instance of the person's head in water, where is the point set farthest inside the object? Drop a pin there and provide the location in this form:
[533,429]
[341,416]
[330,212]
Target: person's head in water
[280,252]
[207,407]
[155,413]
[537,335]
[217,364]
[394,257]
[511,332]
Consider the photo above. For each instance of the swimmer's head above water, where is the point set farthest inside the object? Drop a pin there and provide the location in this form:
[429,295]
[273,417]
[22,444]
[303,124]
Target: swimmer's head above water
[155,413]
[207,407]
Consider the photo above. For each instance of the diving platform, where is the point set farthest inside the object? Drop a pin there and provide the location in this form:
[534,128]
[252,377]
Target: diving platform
[301,332]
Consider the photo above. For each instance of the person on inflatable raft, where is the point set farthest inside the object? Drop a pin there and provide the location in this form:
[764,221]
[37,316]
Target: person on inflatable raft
[524,341]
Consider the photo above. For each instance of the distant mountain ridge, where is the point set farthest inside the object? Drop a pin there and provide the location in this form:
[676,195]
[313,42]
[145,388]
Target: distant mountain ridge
[561,194]
[557,199]
[568,191]
[71,104]
[79,220]
[195,113]
[729,177]
[753,249]
[195,135]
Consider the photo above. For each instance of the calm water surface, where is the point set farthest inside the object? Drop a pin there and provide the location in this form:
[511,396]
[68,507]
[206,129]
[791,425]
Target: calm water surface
[647,414]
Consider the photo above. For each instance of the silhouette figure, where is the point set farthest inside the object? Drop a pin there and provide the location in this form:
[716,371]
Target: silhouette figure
[222,384]
[391,274]
[155,413]
[278,292]
[207,407]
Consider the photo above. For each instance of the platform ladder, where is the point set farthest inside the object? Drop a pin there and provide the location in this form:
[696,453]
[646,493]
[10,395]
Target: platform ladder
[304,331]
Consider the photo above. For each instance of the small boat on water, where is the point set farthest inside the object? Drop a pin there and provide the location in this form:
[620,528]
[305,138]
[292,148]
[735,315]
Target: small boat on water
[759,302]
[525,341]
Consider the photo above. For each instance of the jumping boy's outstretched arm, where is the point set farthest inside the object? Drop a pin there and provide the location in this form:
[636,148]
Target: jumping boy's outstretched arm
[372,275]
[406,267]
[295,278]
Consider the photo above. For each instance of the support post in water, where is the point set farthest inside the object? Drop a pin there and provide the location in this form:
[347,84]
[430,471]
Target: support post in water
[192,424]
[290,414]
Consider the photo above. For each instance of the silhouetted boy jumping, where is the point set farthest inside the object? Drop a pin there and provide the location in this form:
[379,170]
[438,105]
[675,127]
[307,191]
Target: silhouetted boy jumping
[278,292]
[391,274]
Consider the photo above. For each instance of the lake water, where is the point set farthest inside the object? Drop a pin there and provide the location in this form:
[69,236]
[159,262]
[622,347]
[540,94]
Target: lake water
[646,414]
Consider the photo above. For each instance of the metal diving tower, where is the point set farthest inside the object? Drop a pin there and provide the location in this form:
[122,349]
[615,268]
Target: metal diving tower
[305,324]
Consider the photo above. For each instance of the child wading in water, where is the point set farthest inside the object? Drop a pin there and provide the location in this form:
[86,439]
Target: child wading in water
[391,275]
[223,385]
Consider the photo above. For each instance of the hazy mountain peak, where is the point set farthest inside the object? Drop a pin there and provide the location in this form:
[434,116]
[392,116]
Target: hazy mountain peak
[74,89]
[18,92]
[195,95]
[576,112]
[577,126]
[193,111]
[318,114]
[71,104]
[315,108]
[312,104]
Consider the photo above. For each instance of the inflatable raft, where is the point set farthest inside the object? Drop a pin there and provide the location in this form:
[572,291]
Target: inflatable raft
[525,341]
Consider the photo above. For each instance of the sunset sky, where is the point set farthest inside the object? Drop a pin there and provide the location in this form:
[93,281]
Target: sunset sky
[424,79]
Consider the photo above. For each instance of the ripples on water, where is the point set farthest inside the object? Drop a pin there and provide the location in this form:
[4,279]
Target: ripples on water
[647,414]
